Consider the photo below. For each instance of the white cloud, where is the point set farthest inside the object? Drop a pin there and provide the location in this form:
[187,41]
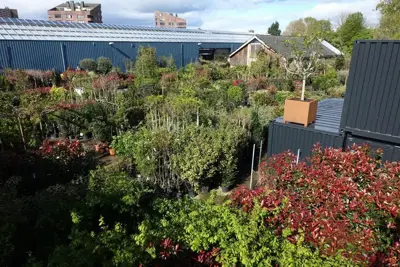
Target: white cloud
[235,15]
[332,9]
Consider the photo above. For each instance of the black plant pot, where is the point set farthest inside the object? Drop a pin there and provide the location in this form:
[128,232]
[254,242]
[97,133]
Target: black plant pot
[224,189]
[205,189]
[88,135]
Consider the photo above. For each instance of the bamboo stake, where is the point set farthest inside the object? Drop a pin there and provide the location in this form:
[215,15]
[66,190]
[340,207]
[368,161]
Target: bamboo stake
[252,163]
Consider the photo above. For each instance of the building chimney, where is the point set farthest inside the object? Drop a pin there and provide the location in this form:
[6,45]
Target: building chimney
[72,5]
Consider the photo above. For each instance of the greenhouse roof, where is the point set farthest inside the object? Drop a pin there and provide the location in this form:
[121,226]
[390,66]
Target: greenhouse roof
[26,29]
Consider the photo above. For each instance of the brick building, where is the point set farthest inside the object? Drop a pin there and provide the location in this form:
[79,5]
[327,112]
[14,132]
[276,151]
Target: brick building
[168,20]
[8,13]
[76,12]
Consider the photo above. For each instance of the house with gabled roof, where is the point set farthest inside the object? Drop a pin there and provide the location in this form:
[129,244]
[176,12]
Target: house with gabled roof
[275,46]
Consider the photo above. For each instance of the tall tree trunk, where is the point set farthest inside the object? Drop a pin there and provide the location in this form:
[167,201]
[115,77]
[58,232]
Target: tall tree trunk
[303,89]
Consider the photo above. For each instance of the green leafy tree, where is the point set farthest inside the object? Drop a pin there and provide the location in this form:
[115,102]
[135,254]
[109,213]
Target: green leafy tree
[304,59]
[146,66]
[296,28]
[274,29]
[353,29]
[310,27]
[235,95]
[88,64]
[104,65]
[390,20]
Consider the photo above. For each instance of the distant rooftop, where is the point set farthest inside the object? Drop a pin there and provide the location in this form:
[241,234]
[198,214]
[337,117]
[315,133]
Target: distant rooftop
[75,6]
[329,114]
[281,46]
[26,29]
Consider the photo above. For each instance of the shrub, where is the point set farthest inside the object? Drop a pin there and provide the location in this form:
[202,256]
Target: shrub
[281,96]
[88,64]
[104,65]
[344,202]
[232,238]
[4,84]
[19,79]
[259,67]
[63,150]
[326,81]
[167,62]
[338,91]
[255,84]
[263,98]
[343,74]
[339,63]
[235,95]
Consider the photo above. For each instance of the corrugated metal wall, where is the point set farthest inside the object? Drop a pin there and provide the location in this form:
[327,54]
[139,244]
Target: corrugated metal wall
[372,100]
[56,55]
[390,152]
[283,137]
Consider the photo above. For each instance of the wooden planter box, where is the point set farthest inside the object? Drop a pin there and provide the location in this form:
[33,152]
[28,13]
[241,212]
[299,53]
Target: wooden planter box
[302,112]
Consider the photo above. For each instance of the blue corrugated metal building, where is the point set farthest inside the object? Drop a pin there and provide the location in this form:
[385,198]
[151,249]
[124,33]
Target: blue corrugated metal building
[35,44]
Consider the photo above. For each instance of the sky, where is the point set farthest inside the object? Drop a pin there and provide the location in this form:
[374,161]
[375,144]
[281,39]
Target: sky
[226,15]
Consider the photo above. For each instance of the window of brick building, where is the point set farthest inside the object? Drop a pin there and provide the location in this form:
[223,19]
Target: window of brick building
[68,16]
[57,16]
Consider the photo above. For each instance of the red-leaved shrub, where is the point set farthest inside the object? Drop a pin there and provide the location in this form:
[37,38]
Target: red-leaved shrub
[63,150]
[342,202]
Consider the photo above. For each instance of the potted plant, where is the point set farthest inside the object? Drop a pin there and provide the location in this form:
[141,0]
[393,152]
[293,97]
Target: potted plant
[227,181]
[111,151]
[100,147]
[302,63]
[204,189]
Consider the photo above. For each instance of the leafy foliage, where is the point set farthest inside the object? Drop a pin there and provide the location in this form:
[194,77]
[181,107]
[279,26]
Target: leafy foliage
[390,19]
[353,29]
[274,29]
[104,65]
[174,131]
[88,64]
[326,81]
[344,202]
[233,237]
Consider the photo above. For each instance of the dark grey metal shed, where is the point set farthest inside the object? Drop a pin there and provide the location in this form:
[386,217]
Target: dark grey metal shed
[391,152]
[372,100]
[294,137]
[370,113]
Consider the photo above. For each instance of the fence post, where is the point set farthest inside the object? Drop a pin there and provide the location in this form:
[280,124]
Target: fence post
[252,163]
[259,156]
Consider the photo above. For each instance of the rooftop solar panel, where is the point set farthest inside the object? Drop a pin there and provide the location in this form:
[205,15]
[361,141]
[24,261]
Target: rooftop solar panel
[58,30]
